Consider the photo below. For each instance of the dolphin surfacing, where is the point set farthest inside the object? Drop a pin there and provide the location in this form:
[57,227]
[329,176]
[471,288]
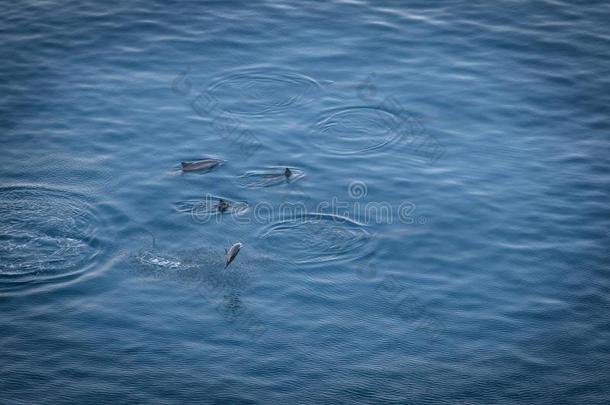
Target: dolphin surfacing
[232,253]
[205,164]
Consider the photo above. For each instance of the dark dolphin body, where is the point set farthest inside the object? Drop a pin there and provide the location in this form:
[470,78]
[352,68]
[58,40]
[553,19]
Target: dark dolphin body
[232,253]
[269,177]
[205,164]
[222,205]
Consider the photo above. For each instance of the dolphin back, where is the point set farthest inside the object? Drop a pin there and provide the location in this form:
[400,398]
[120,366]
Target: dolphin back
[205,164]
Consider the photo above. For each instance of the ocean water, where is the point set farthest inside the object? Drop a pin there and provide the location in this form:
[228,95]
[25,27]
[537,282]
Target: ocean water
[443,237]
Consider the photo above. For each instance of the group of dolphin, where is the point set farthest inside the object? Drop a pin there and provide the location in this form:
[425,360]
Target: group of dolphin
[209,164]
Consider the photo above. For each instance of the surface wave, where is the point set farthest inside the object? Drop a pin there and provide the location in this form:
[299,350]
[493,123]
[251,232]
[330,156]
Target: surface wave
[260,91]
[358,130]
[48,237]
[318,238]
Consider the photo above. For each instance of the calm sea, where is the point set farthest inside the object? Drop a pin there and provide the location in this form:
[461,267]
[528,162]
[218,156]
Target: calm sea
[442,236]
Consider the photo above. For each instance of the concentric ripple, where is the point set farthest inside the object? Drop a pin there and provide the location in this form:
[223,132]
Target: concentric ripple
[272,176]
[255,92]
[357,130]
[203,210]
[46,237]
[318,238]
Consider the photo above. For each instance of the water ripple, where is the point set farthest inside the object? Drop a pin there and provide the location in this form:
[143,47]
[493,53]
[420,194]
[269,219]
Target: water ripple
[255,92]
[47,237]
[318,238]
[356,130]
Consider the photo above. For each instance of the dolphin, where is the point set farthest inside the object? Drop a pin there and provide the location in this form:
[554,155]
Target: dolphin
[222,205]
[205,164]
[232,253]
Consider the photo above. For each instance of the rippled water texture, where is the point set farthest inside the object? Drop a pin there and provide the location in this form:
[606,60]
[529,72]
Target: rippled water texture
[318,238]
[261,92]
[442,238]
[46,237]
[191,267]
[358,130]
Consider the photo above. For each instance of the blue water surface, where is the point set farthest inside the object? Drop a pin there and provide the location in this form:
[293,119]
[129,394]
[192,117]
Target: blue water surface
[443,237]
